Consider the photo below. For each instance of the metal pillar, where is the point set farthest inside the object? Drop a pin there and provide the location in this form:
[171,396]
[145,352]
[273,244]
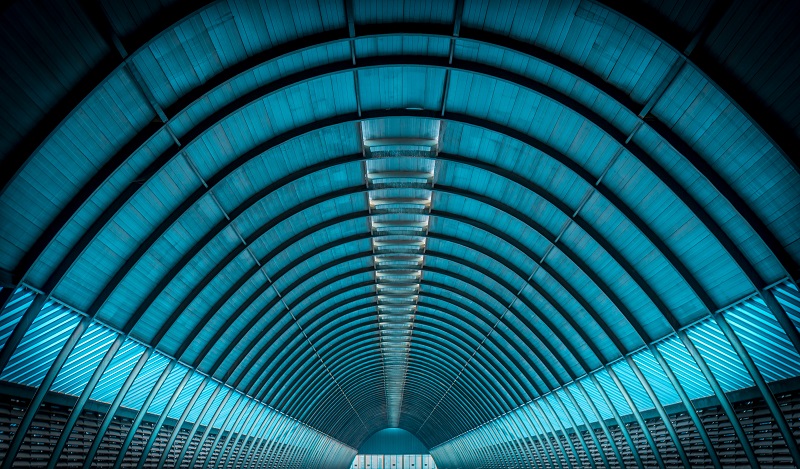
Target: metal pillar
[245,410]
[194,428]
[181,421]
[620,424]
[636,415]
[586,424]
[77,409]
[545,403]
[140,415]
[236,407]
[243,433]
[115,406]
[660,409]
[162,418]
[687,403]
[600,420]
[761,384]
[41,392]
[553,432]
[721,397]
[201,442]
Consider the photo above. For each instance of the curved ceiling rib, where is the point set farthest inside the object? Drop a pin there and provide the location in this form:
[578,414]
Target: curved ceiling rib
[598,246]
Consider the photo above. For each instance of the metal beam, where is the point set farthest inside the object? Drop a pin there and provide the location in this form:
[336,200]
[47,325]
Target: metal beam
[162,418]
[545,404]
[115,404]
[196,426]
[246,427]
[763,387]
[677,265]
[676,441]
[181,420]
[727,83]
[613,409]
[572,422]
[582,74]
[140,416]
[33,407]
[236,411]
[207,431]
[636,414]
[688,405]
[591,431]
[243,417]
[77,409]
[721,397]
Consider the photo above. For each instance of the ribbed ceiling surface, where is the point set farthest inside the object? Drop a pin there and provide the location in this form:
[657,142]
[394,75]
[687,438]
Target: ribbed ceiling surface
[356,215]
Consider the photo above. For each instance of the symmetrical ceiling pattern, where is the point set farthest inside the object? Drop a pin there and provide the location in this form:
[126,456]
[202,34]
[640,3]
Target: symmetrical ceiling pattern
[525,232]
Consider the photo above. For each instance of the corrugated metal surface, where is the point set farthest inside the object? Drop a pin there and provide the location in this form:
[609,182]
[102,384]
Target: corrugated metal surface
[764,339]
[554,230]
[41,344]
[117,371]
[15,307]
[83,360]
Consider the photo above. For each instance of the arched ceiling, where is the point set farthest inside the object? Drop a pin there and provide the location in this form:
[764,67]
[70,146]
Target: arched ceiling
[413,214]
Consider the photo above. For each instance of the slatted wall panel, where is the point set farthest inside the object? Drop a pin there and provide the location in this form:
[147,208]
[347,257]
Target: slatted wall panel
[606,446]
[763,433]
[189,451]
[204,451]
[136,447]
[622,445]
[576,441]
[645,453]
[159,445]
[112,441]
[80,440]
[693,445]
[790,404]
[720,432]
[11,411]
[37,447]
[753,415]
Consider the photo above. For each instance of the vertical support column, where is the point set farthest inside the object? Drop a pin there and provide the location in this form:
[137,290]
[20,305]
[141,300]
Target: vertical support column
[600,420]
[236,407]
[181,421]
[534,422]
[244,413]
[196,425]
[660,409]
[271,441]
[115,406]
[552,430]
[546,404]
[721,397]
[636,415]
[577,431]
[244,432]
[77,409]
[258,438]
[526,439]
[687,403]
[42,390]
[202,441]
[621,425]
[162,418]
[140,416]
[761,384]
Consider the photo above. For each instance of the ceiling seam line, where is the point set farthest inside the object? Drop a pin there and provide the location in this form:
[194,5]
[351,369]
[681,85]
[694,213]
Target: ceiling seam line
[552,245]
[319,357]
